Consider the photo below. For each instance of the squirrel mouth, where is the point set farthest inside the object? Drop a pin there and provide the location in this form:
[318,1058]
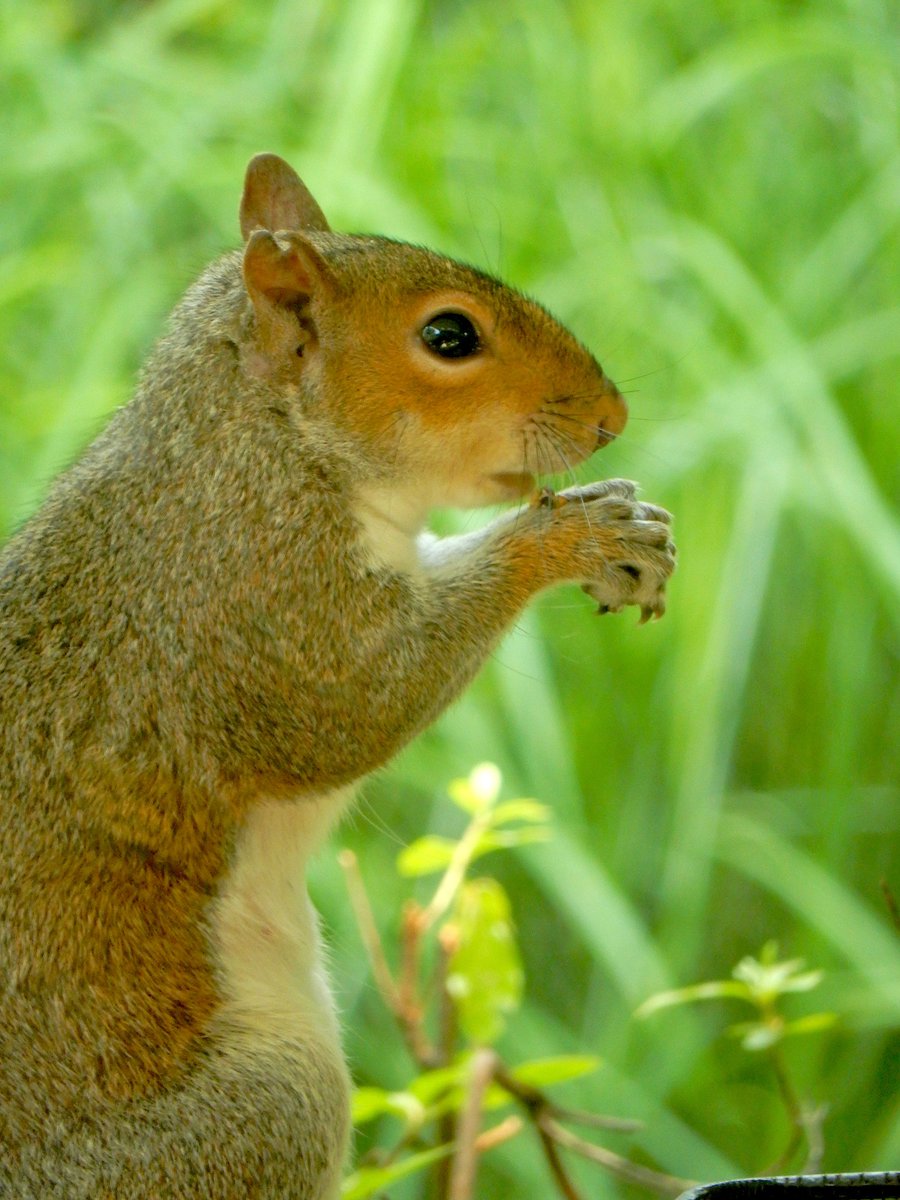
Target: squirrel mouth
[515,483]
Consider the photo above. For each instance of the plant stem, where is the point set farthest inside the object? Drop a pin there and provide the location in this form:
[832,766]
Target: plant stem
[615,1164]
[365,920]
[465,1161]
[455,873]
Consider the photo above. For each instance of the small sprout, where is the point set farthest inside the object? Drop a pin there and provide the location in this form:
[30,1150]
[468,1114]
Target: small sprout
[759,982]
[488,829]
[766,978]
[479,791]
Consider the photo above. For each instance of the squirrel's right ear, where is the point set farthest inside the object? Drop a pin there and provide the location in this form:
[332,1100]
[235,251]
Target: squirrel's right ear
[283,273]
[276,198]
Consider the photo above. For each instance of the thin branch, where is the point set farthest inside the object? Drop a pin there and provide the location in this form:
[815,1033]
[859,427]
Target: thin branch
[792,1106]
[545,1117]
[468,1128]
[448,942]
[530,1097]
[537,1105]
[589,1120]
[410,936]
[535,1099]
[622,1168]
[410,1011]
[554,1162]
[459,863]
[400,999]
[446,1045]
[504,1131]
[365,920]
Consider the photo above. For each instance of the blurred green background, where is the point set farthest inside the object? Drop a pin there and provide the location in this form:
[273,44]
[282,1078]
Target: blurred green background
[709,195]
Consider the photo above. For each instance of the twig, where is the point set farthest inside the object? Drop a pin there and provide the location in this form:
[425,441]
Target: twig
[793,1107]
[504,1131]
[446,1045]
[365,919]
[400,1000]
[410,936]
[465,1161]
[536,1105]
[535,1099]
[589,1120]
[623,1168]
[555,1163]
[545,1116]
[410,1011]
[448,942]
[455,873]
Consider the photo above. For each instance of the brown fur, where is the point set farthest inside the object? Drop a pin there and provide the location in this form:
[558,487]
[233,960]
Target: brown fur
[206,614]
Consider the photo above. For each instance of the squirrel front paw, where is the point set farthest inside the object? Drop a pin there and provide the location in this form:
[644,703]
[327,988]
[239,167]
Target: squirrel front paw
[625,553]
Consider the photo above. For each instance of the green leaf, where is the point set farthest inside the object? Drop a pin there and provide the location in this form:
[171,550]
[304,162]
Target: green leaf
[540,1073]
[507,839]
[461,794]
[757,1035]
[484,974]
[813,1023]
[367,1104]
[532,811]
[427,855]
[719,989]
[543,1072]
[368,1181]
[370,1102]
[802,983]
[432,1084]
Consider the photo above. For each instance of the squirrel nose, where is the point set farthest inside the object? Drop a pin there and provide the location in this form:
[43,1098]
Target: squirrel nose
[615,416]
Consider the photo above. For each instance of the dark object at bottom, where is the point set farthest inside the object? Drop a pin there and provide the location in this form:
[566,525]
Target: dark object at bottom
[876,1185]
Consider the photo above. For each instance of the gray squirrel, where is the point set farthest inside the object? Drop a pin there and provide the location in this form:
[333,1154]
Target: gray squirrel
[225,615]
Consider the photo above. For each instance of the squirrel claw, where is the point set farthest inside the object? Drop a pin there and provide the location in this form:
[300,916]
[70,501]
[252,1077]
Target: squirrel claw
[603,609]
[545,497]
[653,611]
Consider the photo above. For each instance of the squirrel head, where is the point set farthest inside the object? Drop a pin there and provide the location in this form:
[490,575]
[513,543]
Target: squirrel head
[441,378]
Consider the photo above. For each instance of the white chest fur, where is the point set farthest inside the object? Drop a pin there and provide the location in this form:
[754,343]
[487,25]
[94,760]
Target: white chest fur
[264,930]
[390,521]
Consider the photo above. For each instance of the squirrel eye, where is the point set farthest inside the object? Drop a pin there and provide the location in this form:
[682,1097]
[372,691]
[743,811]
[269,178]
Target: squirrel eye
[451,335]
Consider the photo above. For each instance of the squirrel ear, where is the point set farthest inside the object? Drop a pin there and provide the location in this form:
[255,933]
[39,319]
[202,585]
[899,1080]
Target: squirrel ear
[276,198]
[285,271]
[281,274]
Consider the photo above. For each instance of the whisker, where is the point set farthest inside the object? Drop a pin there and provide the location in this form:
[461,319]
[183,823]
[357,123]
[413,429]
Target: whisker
[545,435]
[558,416]
[603,436]
[557,442]
[389,424]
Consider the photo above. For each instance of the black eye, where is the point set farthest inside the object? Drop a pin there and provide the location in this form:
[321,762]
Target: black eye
[451,335]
